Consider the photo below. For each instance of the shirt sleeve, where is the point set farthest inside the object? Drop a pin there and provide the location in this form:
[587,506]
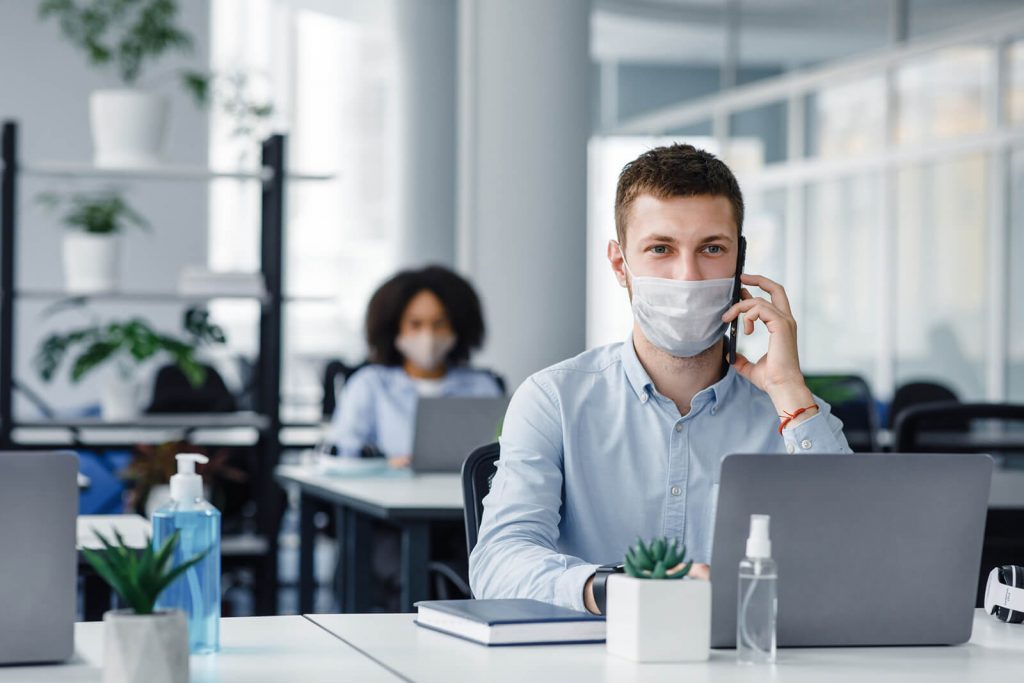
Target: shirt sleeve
[516,554]
[353,425]
[821,433]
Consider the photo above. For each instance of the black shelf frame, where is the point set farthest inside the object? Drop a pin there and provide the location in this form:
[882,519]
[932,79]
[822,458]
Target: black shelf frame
[268,497]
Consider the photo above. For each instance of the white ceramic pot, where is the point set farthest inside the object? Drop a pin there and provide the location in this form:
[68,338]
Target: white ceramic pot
[119,399]
[91,262]
[659,620]
[146,648]
[128,127]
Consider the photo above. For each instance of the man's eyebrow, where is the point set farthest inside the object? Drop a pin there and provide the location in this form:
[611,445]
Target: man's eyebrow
[716,238]
[660,238]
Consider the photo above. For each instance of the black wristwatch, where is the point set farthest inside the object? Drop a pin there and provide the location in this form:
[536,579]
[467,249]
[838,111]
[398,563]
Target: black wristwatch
[600,584]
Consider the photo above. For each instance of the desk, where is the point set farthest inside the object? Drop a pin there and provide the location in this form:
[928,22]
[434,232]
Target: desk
[996,652]
[253,649]
[409,502]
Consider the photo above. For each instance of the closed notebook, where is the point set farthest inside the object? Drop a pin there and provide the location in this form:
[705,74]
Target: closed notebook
[510,622]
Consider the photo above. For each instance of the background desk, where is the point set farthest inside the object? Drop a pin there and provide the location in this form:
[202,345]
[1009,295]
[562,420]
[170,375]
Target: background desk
[253,649]
[410,502]
[996,652]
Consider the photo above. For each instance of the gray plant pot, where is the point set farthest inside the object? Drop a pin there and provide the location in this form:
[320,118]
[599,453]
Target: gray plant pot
[145,648]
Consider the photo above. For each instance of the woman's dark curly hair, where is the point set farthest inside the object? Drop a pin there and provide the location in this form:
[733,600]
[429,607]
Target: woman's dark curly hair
[384,313]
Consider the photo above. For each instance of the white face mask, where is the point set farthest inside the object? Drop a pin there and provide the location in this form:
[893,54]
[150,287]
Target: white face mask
[425,349]
[680,317]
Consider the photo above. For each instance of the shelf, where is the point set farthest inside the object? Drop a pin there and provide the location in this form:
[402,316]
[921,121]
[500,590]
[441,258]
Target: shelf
[71,169]
[159,297]
[242,419]
[148,297]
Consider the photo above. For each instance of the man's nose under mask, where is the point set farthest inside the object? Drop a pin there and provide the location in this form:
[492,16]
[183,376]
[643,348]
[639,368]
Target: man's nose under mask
[680,317]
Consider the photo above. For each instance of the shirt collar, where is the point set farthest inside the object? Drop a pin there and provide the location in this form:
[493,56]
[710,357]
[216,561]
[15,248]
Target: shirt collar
[642,384]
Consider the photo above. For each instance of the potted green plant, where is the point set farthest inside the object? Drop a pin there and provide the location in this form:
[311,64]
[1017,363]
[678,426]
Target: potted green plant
[655,611]
[92,242]
[142,645]
[129,123]
[128,344]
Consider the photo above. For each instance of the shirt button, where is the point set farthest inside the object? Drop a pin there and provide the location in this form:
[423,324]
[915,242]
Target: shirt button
[679,427]
[643,397]
[790,448]
[806,444]
[676,490]
[714,410]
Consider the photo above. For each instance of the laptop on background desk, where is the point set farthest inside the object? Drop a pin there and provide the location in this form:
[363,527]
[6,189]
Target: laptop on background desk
[38,559]
[872,549]
[448,429]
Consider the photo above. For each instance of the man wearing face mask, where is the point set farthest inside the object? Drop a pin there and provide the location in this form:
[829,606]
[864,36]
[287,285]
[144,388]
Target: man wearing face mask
[626,440]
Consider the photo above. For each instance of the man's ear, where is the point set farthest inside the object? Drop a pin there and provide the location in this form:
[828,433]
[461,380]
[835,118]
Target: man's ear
[618,267]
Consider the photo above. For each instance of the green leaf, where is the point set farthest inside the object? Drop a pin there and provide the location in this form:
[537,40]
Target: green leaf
[631,568]
[659,570]
[658,549]
[643,555]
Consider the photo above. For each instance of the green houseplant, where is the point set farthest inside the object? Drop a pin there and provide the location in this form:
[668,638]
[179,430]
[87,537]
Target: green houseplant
[128,343]
[129,123]
[92,243]
[142,645]
[655,611]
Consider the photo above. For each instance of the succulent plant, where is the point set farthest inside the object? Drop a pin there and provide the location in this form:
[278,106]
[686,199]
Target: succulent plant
[659,559]
[138,576]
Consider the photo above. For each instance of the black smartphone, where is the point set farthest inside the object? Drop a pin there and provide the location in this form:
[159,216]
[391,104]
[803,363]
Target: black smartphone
[730,343]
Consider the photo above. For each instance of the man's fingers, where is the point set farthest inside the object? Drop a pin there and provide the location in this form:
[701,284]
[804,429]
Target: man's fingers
[700,571]
[774,289]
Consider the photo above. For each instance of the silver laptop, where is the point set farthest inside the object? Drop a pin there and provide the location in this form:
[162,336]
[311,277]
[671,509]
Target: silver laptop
[873,549]
[38,559]
[448,429]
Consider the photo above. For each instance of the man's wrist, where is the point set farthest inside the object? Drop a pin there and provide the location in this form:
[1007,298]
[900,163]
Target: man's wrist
[588,596]
[791,397]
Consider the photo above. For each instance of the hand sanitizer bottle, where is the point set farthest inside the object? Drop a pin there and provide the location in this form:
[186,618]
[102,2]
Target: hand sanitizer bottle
[757,604]
[197,591]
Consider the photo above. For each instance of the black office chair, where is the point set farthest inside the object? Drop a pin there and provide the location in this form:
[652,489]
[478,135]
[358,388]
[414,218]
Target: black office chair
[1004,541]
[918,393]
[852,402]
[477,474]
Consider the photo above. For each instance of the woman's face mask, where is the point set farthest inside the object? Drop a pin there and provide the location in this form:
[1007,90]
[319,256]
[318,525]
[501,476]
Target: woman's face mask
[680,317]
[425,349]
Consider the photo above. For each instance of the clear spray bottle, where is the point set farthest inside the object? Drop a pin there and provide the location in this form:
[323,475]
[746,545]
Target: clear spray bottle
[757,602]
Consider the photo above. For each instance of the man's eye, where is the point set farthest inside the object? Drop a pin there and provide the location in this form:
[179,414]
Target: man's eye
[713,249]
[659,249]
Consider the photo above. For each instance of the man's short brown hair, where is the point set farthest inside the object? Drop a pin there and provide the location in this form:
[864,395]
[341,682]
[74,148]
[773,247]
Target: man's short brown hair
[675,171]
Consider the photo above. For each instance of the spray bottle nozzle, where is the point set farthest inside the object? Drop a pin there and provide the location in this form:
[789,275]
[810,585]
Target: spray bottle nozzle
[759,543]
[187,462]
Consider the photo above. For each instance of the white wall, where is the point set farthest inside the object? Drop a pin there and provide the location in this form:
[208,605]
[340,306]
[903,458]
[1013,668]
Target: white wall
[45,87]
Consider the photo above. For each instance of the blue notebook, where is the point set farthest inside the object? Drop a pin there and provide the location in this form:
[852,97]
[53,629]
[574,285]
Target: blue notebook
[510,622]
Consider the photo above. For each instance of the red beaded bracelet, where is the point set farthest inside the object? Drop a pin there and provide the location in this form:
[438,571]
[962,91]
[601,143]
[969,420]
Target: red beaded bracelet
[789,417]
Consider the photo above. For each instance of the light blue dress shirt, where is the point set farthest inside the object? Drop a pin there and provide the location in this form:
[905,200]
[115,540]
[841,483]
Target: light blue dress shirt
[592,456]
[378,406]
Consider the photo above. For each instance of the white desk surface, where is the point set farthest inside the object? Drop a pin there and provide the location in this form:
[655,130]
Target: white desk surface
[996,652]
[135,530]
[395,492]
[253,650]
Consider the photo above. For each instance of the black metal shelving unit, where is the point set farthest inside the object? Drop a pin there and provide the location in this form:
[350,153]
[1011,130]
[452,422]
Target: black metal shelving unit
[268,381]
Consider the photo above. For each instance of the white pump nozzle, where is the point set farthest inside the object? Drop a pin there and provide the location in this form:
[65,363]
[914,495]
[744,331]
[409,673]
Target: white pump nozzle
[759,544]
[186,485]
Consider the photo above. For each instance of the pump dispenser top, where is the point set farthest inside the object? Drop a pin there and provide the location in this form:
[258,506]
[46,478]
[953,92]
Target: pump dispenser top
[186,485]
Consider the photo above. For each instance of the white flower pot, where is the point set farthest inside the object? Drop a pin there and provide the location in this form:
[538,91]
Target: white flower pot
[659,620]
[128,127]
[91,262]
[119,399]
[145,648]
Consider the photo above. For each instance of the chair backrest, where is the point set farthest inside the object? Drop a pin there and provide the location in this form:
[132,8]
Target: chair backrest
[917,393]
[852,402]
[949,418]
[334,371]
[477,473]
